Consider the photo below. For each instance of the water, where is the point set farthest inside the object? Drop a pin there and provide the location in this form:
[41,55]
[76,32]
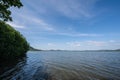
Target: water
[66,65]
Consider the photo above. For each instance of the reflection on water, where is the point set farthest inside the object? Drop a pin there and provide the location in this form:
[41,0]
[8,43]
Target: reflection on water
[66,65]
[10,69]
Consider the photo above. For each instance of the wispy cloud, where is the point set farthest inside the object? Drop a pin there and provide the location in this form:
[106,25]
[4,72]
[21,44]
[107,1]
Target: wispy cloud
[79,34]
[41,24]
[68,8]
[16,25]
[31,20]
[37,22]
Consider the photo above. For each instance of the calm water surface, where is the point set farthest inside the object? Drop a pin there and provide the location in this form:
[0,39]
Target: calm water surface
[66,65]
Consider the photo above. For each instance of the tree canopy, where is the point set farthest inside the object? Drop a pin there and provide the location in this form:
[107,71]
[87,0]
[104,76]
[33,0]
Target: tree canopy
[5,13]
[12,44]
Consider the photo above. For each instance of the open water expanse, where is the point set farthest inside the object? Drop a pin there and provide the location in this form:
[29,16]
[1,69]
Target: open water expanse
[66,65]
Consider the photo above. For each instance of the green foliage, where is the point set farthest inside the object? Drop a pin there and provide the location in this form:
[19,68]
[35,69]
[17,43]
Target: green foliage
[4,8]
[12,44]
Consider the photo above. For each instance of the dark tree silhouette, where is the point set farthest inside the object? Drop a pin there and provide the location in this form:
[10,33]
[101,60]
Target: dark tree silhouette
[4,8]
[12,44]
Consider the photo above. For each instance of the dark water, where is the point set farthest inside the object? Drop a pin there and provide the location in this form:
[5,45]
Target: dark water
[66,65]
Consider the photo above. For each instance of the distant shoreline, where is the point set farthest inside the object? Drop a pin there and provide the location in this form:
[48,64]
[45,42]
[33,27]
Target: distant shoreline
[79,50]
[104,50]
[33,49]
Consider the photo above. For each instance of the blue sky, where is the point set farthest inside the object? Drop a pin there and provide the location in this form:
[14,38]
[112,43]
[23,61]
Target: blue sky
[69,24]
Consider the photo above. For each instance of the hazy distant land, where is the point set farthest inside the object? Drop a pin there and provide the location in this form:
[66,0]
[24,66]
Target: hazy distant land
[105,50]
[34,49]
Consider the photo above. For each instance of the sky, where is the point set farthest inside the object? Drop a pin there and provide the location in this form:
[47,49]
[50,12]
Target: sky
[69,24]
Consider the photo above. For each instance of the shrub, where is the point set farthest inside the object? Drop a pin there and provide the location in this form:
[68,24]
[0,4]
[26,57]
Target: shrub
[12,44]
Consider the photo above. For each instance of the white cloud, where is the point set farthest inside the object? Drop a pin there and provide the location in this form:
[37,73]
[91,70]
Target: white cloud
[15,25]
[74,44]
[96,43]
[42,24]
[51,44]
[79,34]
